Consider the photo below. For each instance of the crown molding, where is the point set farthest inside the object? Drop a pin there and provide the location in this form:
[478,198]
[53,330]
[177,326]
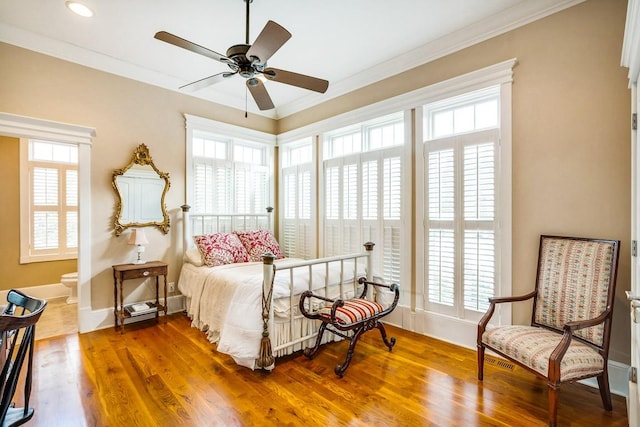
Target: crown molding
[508,20]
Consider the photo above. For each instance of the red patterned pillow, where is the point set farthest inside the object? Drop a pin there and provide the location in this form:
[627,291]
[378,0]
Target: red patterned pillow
[258,243]
[221,248]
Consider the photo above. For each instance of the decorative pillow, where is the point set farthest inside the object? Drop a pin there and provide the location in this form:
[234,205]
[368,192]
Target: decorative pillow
[220,248]
[258,243]
[193,256]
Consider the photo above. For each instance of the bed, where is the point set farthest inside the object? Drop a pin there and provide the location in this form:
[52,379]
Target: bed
[248,305]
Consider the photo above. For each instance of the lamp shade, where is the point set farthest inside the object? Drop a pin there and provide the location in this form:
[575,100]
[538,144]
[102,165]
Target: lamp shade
[137,237]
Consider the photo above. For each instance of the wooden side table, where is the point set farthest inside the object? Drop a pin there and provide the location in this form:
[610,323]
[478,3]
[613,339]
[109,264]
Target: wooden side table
[122,272]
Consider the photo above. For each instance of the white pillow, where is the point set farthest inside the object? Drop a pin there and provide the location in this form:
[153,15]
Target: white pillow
[193,256]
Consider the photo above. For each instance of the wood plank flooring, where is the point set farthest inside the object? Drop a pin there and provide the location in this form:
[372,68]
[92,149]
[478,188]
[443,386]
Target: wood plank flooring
[59,318]
[168,374]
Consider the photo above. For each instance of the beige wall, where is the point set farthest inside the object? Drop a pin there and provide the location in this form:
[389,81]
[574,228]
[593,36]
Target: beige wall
[14,274]
[571,150]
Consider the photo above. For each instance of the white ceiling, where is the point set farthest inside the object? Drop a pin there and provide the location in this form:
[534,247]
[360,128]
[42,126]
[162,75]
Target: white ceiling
[351,43]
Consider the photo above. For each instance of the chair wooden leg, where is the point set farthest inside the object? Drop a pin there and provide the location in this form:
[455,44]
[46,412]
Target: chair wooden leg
[553,405]
[605,393]
[309,352]
[480,362]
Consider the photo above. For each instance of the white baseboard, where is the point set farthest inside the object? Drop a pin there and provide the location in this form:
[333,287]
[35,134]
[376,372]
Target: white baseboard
[618,379]
[53,290]
[92,320]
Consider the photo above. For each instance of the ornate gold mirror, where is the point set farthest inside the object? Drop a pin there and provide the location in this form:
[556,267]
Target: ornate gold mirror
[140,189]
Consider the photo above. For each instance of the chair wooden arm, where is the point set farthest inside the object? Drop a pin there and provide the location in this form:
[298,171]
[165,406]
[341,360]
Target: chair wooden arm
[516,298]
[492,306]
[581,324]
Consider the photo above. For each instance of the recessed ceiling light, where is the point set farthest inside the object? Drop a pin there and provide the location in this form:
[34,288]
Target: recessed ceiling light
[79,8]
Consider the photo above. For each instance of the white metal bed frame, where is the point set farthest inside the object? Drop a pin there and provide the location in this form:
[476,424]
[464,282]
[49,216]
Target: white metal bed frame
[295,332]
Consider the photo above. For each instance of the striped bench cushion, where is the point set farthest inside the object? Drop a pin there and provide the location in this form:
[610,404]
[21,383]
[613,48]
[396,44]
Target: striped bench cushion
[532,347]
[353,310]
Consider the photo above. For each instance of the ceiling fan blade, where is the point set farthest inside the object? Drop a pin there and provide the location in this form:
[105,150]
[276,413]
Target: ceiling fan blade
[259,93]
[272,37]
[207,81]
[186,44]
[300,80]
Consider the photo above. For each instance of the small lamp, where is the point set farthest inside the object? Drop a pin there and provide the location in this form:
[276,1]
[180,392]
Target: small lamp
[139,239]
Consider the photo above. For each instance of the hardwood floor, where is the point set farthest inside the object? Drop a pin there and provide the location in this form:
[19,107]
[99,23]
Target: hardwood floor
[168,374]
[59,318]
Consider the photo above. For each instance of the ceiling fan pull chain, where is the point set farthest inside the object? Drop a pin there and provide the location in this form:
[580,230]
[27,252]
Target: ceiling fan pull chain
[246,89]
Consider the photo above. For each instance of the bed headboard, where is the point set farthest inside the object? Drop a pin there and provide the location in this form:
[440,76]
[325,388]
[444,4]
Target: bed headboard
[194,224]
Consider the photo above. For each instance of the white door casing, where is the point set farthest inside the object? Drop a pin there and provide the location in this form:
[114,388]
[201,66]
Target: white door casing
[631,59]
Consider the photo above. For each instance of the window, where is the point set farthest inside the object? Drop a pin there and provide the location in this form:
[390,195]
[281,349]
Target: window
[362,173]
[229,171]
[461,204]
[50,208]
[231,176]
[297,177]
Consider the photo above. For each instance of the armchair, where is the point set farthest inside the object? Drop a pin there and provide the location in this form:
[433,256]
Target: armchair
[568,338]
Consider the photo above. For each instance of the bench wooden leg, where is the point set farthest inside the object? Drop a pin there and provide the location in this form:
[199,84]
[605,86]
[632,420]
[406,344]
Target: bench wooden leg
[309,352]
[340,369]
[389,343]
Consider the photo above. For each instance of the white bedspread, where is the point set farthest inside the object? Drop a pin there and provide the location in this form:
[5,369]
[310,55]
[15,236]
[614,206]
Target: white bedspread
[226,301]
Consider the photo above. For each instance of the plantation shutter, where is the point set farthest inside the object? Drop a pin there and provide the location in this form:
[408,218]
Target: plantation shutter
[45,202]
[440,225]
[479,235]
[297,230]
[249,189]
[392,204]
[461,223]
[211,186]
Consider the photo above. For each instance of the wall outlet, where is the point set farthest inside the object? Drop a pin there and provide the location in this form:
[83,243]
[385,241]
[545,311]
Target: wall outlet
[171,286]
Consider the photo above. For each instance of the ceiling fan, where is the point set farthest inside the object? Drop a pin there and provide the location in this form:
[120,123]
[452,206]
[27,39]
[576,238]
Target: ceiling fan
[250,61]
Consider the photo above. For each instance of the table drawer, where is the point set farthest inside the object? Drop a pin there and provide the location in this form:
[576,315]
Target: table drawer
[144,272]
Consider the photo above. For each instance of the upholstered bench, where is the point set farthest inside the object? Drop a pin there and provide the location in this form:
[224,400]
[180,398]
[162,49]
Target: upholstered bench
[357,315]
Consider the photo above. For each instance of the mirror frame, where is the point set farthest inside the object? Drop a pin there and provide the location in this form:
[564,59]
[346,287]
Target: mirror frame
[141,157]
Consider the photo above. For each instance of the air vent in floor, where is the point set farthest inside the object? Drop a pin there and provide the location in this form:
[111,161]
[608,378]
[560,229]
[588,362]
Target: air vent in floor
[500,363]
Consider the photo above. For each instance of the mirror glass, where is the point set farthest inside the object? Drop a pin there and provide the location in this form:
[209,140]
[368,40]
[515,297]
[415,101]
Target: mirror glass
[141,188]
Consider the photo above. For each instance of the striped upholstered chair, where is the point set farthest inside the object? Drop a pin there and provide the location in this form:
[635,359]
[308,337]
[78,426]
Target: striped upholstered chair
[568,338]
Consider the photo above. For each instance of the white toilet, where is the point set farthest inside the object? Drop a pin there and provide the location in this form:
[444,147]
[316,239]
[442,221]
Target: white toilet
[70,280]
